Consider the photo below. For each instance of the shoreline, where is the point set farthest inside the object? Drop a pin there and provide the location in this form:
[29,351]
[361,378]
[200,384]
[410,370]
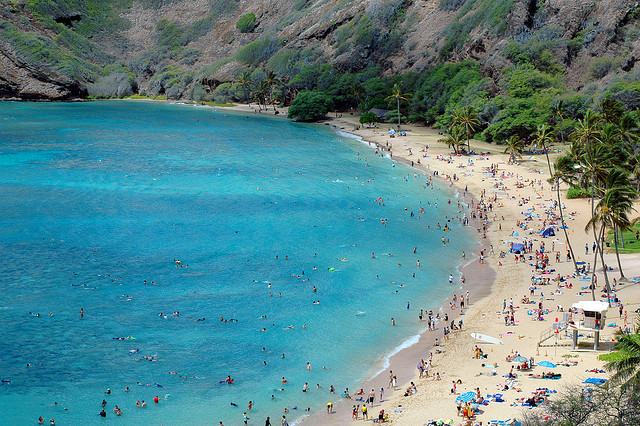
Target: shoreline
[404,361]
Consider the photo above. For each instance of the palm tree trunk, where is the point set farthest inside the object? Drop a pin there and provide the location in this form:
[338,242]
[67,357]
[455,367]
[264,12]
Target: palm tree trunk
[604,266]
[564,225]
[615,242]
[398,100]
[593,271]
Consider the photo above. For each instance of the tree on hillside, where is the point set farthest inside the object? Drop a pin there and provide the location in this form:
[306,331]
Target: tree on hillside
[467,118]
[310,106]
[398,96]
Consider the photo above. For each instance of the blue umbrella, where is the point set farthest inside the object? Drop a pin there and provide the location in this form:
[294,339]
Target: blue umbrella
[519,359]
[466,397]
[546,364]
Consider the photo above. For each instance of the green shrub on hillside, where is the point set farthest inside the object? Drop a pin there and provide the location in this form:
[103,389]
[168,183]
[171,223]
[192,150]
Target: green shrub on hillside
[38,49]
[475,13]
[439,86]
[258,51]
[535,52]
[525,81]
[627,92]
[169,34]
[246,23]
[601,66]
[300,5]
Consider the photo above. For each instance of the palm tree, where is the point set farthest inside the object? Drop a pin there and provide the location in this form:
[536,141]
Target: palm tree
[398,96]
[558,113]
[586,150]
[261,92]
[357,91]
[244,81]
[468,119]
[515,146]
[611,110]
[271,79]
[454,138]
[616,204]
[625,361]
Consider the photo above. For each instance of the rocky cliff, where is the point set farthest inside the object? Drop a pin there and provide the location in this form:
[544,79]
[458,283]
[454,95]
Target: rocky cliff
[185,49]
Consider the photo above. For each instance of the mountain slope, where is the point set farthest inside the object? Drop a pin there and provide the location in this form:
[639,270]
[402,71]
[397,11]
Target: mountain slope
[187,49]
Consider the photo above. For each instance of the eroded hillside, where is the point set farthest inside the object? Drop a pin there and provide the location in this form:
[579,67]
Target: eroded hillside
[188,49]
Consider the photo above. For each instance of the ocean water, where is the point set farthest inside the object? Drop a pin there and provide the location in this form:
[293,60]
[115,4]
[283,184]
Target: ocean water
[99,200]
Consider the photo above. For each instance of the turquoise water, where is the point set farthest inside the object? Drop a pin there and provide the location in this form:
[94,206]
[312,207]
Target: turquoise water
[98,197]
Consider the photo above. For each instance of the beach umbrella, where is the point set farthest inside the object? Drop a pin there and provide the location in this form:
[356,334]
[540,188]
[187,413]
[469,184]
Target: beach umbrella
[519,359]
[466,397]
[546,364]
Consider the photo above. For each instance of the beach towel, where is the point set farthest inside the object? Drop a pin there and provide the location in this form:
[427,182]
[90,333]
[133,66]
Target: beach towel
[595,381]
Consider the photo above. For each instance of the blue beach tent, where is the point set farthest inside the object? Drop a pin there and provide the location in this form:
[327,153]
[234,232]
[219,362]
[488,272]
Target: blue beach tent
[548,232]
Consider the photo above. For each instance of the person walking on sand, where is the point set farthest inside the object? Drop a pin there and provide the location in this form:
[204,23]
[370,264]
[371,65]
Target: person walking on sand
[372,397]
[390,379]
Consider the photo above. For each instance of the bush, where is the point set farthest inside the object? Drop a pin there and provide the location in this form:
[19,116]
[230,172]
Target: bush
[258,51]
[602,66]
[578,193]
[626,92]
[368,118]
[310,106]
[246,23]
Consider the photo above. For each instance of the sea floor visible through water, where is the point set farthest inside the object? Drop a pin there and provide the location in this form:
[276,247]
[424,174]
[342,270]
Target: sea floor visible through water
[135,212]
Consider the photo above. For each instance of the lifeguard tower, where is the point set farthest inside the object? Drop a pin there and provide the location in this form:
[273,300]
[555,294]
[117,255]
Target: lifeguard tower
[595,313]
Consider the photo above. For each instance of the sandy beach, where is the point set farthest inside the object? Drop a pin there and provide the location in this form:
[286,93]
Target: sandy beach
[518,189]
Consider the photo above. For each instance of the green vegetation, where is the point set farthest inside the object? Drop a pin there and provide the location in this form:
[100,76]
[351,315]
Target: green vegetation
[628,241]
[578,193]
[488,14]
[218,104]
[310,106]
[247,23]
[258,51]
[368,118]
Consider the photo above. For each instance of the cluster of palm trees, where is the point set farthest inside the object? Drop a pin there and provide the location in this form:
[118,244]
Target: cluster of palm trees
[603,159]
[260,90]
[464,123]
